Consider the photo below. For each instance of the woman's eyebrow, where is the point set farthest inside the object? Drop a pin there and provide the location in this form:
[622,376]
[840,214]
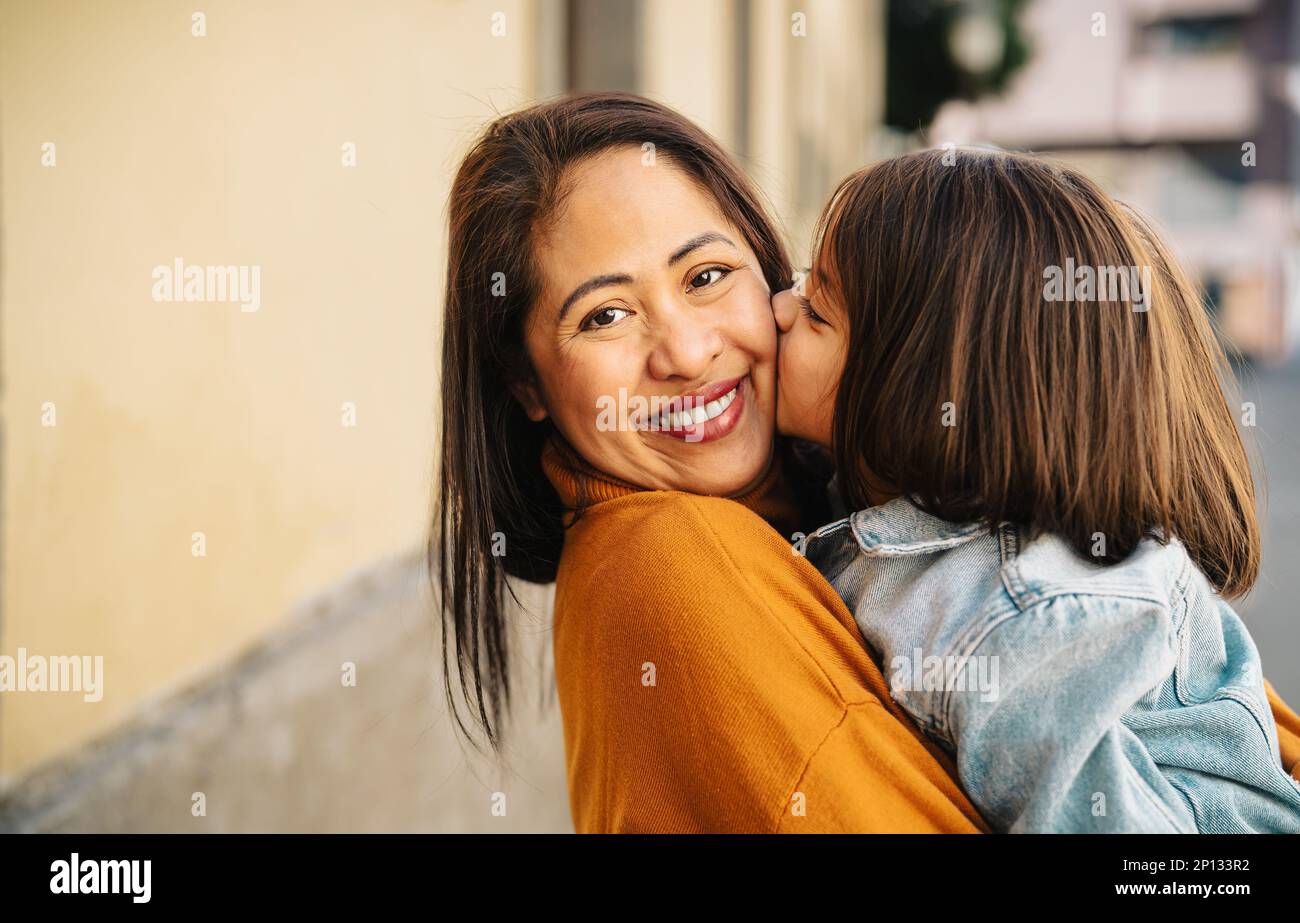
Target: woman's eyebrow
[695,243]
[591,285]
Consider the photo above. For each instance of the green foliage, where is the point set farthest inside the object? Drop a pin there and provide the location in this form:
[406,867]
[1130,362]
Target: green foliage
[921,69]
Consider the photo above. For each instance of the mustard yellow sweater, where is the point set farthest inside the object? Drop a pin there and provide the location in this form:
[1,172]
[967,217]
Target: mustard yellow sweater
[711,680]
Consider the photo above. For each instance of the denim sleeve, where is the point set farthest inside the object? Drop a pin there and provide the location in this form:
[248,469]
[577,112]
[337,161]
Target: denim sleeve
[1044,748]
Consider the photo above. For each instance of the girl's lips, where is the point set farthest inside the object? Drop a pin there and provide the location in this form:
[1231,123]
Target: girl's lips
[719,426]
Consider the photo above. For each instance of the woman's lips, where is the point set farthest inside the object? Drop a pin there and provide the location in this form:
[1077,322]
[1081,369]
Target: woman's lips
[722,405]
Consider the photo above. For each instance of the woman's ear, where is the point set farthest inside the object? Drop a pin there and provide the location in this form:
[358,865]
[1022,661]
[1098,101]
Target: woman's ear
[529,397]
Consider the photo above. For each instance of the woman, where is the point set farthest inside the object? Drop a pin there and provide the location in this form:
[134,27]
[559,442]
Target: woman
[604,249]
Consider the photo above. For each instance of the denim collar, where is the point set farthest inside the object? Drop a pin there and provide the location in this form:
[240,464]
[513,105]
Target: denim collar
[900,527]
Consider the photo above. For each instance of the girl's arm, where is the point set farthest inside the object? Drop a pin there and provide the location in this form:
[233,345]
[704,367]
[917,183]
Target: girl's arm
[1042,748]
[711,680]
[1060,746]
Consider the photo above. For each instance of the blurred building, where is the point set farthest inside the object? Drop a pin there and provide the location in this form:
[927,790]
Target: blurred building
[795,90]
[1186,109]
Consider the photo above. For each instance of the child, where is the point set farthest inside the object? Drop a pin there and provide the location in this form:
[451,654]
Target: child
[1020,390]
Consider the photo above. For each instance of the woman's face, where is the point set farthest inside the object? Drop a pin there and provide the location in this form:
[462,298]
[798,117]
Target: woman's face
[812,347]
[652,307]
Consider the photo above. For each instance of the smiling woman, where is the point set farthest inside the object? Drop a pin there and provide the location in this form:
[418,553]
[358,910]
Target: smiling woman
[708,679]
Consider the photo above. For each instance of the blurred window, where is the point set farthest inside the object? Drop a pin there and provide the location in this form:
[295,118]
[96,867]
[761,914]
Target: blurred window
[604,48]
[1213,288]
[1194,35]
[1192,191]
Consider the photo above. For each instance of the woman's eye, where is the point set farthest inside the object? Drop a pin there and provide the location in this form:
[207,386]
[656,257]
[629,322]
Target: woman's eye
[710,276]
[806,306]
[605,317]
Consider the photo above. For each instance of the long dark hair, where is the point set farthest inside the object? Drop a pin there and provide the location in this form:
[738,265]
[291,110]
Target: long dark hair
[490,475]
[1077,418]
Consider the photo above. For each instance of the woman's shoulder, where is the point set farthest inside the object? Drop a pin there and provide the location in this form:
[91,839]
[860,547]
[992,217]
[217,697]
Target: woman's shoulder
[629,554]
[675,559]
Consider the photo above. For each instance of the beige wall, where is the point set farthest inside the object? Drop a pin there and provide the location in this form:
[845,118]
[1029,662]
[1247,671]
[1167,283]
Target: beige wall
[174,418]
[672,32]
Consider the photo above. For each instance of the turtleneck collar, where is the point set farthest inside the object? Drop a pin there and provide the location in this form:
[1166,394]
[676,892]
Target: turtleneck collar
[578,483]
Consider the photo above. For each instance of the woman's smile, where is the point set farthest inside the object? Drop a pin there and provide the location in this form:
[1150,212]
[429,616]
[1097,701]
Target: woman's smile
[704,415]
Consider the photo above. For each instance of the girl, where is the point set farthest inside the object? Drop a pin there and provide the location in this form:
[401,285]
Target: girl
[1020,389]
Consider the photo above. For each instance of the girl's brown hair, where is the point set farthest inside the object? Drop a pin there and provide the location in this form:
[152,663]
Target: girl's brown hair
[968,388]
[489,471]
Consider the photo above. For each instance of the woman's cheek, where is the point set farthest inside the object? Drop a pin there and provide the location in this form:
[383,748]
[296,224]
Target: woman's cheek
[577,387]
[753,320]
[758,339]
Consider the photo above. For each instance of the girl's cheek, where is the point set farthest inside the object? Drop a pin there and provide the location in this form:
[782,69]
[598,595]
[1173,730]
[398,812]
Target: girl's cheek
[836,365]
[795,371]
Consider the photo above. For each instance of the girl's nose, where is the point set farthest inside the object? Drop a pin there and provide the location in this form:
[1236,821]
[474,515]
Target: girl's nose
[785,309]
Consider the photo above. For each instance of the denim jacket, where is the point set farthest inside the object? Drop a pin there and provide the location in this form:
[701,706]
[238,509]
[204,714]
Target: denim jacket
[1075,697]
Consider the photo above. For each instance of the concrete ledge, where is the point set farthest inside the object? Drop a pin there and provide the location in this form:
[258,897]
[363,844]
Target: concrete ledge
[276,742]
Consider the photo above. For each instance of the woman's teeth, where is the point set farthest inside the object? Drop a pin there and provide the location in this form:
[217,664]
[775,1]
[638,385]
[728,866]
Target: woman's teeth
[698,414]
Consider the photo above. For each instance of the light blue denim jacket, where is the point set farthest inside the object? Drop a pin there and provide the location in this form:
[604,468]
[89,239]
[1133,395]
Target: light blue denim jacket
[1075,697]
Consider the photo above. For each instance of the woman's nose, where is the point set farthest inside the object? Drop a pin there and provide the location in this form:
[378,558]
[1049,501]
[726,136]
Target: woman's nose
[686,349]
[785,310]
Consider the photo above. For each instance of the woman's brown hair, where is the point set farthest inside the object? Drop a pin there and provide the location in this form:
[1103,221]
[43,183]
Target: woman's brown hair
[970,386]
[490,475]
